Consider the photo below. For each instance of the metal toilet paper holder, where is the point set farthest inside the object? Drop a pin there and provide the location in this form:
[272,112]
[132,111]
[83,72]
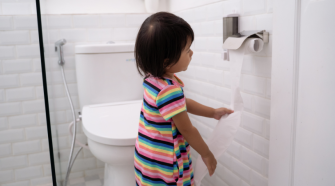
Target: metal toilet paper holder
[230,29]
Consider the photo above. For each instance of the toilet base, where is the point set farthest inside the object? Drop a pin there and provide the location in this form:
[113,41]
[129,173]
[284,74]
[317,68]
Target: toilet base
[119,175]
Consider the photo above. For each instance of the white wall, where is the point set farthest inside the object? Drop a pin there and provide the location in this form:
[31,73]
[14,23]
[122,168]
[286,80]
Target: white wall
[207,81]
[24,153]
[22,122]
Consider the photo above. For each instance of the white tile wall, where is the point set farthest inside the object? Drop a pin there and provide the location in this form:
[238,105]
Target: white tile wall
[22,109]
[24,148]
[207,81]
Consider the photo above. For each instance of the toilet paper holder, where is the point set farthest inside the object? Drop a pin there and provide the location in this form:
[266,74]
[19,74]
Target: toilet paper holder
[230,30]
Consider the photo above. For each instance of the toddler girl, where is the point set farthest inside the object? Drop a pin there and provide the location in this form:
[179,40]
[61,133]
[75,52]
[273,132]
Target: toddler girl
[165,134]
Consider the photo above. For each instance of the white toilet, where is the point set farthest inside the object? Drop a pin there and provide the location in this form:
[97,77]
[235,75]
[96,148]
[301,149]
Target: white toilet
[110,95]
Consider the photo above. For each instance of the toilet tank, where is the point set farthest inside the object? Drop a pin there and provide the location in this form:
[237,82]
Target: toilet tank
[107,73]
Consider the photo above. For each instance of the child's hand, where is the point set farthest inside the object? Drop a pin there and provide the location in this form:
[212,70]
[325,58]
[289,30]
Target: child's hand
[210,162]
[219,112]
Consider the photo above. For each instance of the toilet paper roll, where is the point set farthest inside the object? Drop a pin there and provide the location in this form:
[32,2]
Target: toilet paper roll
[225,130]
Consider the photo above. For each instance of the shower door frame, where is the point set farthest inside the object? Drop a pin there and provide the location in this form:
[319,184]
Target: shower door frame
[45,91]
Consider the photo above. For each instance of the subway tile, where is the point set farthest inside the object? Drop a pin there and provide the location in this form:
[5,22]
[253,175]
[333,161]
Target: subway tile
[261,146]
[18,183]
[246,23]
[25,22]
[31,79]
[215,76]
[34,106]
[240,169]
[225,159]
[220,182]
[207,28]
[264,22]
[8,81]
[2,96]
[84,164]
[7,52]
[200,44]
[206,59]
[252,122]
[35,37]
[40,92]
[258,179]
[226,79]
[122,34]
[235,149]
[86,21]
[37,64]
[41,118]
[197,29]
[244,137]
[7,109]
[269,6]
[252,159]
[41,181]
[22,121]
[28,173]
[14,37]
[28,51]
[55,91]
[266,133]
[26,147]
[215,11]
[39,158]
[73,35]
[230,177]
[36,132]
[13,162]
[5,150]
[47,170]
[232,6]
[200,13]
[262,106]
[254,85]
[3,123]
[56,76]
[253,6]
[218,28]
[16,8]
[6,23]
[262,66]
[103,35]
[214,44]
[135,20]
[17,66]
[58,117]
[268,89]
[188,15]
[20,94]
[113,20]
[6,176]
[247,101]
[223,94]
[207,89]
[59,21]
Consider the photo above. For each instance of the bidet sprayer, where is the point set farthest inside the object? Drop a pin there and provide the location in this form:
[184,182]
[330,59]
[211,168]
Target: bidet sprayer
[59,49]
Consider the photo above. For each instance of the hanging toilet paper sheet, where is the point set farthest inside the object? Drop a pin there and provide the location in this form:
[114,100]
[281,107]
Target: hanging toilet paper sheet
[225,130]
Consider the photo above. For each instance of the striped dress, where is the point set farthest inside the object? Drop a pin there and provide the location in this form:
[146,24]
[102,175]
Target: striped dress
[162,155]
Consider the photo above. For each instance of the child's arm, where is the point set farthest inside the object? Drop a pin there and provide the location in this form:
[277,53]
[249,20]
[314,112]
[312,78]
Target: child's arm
[193,137]
[196,108]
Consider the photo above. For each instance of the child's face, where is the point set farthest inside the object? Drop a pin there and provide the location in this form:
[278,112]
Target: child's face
[184,60]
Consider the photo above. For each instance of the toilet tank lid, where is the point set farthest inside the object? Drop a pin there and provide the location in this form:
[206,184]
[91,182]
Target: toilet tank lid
[112,123]
[104,48]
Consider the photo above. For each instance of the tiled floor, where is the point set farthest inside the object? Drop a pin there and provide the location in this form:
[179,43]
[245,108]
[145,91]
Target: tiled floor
[94,180]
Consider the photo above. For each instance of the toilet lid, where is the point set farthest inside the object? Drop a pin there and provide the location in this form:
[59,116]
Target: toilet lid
[112,123]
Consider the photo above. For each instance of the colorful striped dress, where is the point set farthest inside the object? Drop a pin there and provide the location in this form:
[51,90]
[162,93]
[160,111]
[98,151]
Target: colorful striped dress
[162,155]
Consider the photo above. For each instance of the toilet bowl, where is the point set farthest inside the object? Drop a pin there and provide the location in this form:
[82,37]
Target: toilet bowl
[111,131]
[110,95]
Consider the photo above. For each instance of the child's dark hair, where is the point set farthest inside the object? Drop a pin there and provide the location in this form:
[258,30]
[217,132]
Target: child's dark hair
[162,36]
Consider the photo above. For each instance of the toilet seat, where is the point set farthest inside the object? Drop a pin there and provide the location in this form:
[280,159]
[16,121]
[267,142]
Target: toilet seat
[112,123]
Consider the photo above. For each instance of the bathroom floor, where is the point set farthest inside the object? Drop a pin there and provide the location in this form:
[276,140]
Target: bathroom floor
[94,180]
